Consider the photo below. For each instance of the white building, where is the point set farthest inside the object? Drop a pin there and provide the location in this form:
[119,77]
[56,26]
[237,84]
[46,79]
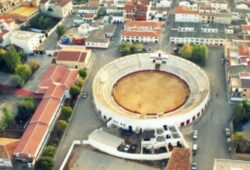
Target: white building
[88,10]
[97,39]
[6,26]
[188,4]
[220,4]
[140,36]
[226,164]
[156,13]
[163,3]
[184,14]
[28,41]
[56,8]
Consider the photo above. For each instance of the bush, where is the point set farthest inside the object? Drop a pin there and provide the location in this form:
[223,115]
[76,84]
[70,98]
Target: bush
[61,125]
[129,48]
[44,163]
[82,73]
[67,112]
[33,65]
[60,30]
[49,151]
[74,91]
[24,71]
[79,82]
[17,81]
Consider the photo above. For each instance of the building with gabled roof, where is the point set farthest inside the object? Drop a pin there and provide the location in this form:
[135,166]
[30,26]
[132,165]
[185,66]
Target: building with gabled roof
[73,58]
[7,146]
[55,86]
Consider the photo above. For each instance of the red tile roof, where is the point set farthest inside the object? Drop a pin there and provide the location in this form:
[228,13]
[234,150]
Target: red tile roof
[185,10]
[32,138]
[6,19]
[179,160]
[136,33]
[129,6]
[71,56]
[58,74]
[7,147]
[245,27]
[46,111]
[134,24]
[244,74]
[243,49]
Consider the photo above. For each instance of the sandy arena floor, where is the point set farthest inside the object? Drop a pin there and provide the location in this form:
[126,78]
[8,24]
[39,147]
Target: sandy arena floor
[150,92]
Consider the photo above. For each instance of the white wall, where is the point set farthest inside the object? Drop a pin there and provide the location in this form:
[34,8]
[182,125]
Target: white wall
[186,17]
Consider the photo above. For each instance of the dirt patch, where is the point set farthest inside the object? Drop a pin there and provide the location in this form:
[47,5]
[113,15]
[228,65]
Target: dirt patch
[148,92]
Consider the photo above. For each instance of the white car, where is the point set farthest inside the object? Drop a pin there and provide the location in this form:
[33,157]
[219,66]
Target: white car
[194,166]
[227,132]
[195,134]
[195,148]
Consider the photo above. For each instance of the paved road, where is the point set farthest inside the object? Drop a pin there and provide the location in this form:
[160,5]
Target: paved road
[84,119]
[211,140]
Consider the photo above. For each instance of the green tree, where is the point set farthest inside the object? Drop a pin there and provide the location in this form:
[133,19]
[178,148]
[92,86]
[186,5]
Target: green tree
[8,117]
[74,91]
[12,59]
[26,107]
[136,48]
[24,71]
[125,48]
[49,151]
[23,56]
[17,81]
[67,112]
[60,30]
[186,51]
[237,138]
[79,82]
[82,73]
[44,163]
[200,54]
[61,125]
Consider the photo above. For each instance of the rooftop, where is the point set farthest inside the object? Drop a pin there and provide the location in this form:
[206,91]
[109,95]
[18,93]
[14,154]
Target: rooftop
[138,33]
[226,164]
[179,160]
[7,146]
[97,36]
[185,10]
[154,24]
[71,55]
[25,35]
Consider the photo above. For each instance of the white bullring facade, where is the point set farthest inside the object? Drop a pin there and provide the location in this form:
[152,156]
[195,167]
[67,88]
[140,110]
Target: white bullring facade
[190,111]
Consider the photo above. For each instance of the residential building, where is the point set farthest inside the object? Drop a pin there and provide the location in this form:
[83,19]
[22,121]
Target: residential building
[97,39]
[89,18]
[184,14]
[142,31]
[111,9]
[180,159]
[7,146]
[28,41]
[162,3]
[221,5]
[136,10]
[141,36]
[156,13]
[88,10]
[116,18]
[93,2]
[189,4]
[226,164]
[73,58]
[238,72]
[8,5]
[201,33]
[55,88]
[7,24]
[56,8]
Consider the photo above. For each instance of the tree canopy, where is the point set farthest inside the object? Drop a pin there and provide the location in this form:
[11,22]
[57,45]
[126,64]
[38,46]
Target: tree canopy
[82,72]
[129,48]
[61,125]
[74,91]
[42,22]
[60,30]
[26,107]
[67,111]
[49,151]
[12,59]
[44,163]
[24,71]
[196,53]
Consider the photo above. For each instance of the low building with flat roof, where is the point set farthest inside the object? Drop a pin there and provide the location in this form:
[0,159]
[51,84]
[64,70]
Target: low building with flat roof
[97,39]
[228,164]
[28,41]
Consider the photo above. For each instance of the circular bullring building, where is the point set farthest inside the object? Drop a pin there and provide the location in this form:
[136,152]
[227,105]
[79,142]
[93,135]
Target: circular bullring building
[150,90]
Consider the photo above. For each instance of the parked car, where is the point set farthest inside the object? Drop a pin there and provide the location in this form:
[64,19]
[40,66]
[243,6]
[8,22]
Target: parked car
[195,148]
[84,95]
[194,166]
[195,134]
[227,132]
